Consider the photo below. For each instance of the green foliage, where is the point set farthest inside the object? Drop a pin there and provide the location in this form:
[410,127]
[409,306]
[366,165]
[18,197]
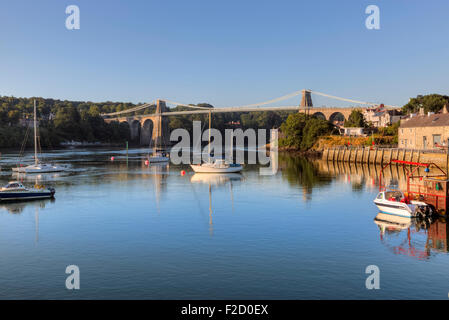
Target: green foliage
[301,132]
[391,130]
[430,103]
[356,120]
[59,121]
[313,129]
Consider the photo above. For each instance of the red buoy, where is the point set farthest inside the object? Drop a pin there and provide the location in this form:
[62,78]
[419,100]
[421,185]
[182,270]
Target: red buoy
[147,162]
[183,172]
[112,158]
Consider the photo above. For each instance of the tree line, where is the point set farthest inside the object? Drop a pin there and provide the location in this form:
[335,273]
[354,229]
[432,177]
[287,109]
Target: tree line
[63,120]
[59,121]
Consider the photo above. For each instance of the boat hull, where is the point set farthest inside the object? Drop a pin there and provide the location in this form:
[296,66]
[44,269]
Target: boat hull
[39,169]
[210,169]
[19,196]
[158,159]
[397,209]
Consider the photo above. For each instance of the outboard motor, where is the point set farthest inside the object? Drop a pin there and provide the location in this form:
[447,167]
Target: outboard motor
[52,191]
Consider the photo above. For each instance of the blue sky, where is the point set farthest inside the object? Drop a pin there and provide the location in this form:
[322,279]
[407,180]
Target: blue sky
[224,52]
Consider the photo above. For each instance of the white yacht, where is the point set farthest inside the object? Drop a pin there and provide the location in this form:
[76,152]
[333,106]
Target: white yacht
[38,167]
[217,166]
[396,203]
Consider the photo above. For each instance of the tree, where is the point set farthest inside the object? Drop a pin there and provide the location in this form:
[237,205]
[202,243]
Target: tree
[292,130]
[430,103]
[67,121]
[313,129]
[356,119]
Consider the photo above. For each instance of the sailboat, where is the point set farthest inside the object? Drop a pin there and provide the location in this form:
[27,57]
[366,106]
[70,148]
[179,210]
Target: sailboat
[157,156]
[218,165]
[38,167]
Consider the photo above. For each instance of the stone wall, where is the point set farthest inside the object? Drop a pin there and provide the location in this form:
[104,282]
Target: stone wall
[384,155]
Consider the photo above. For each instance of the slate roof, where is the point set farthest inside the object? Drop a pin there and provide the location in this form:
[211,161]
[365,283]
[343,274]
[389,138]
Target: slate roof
[434,120]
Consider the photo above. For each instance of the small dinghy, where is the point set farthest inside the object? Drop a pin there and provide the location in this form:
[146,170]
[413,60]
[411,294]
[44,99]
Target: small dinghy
[15,191]
[396,203]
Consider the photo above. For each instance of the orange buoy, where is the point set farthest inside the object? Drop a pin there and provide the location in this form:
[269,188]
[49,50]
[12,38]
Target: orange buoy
[183,172]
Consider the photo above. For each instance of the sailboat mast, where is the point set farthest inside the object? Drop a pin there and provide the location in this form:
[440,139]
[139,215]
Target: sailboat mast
[35,135]
[210,116]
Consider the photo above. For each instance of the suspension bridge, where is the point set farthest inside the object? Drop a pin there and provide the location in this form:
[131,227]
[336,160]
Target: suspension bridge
[142,125]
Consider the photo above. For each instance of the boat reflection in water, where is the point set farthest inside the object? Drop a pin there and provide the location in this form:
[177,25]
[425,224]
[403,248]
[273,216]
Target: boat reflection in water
[417,238]
[18,208]
[216,180]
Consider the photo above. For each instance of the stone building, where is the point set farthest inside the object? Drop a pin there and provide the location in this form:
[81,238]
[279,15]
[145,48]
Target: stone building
[425,131]
[380,117]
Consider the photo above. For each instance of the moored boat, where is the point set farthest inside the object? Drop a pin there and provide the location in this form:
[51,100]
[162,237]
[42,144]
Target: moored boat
[38,167]
[396,203]
[218,166]
[15,191]
[158,157]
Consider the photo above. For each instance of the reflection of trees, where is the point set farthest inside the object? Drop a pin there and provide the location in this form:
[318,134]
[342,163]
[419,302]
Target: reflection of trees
[301,172]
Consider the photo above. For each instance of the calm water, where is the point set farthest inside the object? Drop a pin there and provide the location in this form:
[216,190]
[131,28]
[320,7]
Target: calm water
[307,232]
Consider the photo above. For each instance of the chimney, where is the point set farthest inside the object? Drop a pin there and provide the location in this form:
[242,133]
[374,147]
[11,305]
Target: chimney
[445,108]
[421,111]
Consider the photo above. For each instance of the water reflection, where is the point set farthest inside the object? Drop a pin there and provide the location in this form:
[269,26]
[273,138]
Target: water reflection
[18,207]
[217,181]
[412,237]
[301,172]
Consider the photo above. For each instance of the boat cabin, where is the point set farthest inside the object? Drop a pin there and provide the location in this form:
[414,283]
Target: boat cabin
[13,186]
[394,195]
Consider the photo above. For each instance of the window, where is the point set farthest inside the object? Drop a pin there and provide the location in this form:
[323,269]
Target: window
[436,139]
[405,143]
[424,142]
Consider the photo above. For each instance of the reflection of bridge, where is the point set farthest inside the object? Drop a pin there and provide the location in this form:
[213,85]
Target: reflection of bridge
[142,126]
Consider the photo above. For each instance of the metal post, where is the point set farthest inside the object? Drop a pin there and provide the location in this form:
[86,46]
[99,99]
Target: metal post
[447,155]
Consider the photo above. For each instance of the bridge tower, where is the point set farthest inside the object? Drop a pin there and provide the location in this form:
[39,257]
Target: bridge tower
[306,100]
[161,132]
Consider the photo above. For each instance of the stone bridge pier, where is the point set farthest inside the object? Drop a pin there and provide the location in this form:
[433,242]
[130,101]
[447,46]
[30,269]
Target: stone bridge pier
[150,129]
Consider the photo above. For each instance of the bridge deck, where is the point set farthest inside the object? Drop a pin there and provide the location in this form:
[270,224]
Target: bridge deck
[248,109]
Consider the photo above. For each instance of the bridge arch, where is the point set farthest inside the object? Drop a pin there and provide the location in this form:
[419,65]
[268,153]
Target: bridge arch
[146,132]
[319,115]
[135,129]
[336,117]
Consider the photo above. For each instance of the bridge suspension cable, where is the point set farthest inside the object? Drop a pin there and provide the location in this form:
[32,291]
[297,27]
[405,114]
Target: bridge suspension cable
[185,105]
[347,100]
[143,106]
[254,105]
